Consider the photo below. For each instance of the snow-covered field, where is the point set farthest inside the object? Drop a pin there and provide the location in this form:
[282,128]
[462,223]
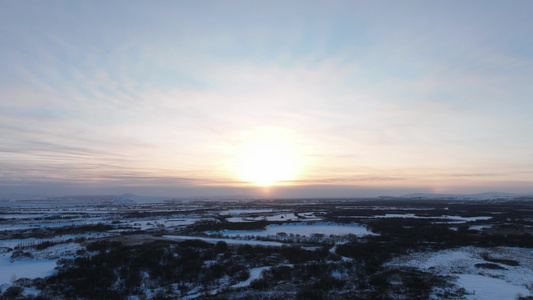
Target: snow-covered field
[444,217]
[153,223]
[228,241]
[487,288]
[276,218]
[26,268]
[42,262]
[305,230]
[505,282]
[484,273]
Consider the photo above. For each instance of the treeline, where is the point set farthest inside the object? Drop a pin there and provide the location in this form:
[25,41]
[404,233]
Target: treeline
[222,224]
[419,233]
[52,232]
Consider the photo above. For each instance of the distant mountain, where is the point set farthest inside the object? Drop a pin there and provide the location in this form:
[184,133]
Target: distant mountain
[134,199]
[480,196]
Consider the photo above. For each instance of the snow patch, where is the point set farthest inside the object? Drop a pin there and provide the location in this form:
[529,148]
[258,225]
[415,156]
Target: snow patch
[255,273]
[507,282]
[488,288]
[228,241]
[27,268]
[306,230]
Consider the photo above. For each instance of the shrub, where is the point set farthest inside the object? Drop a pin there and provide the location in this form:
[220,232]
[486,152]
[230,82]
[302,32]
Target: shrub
[45,244]
[102,245]
[309,294]
[221,247]
[195,244]
[490,266]
[13,292]
[242,275]
[509,262]
[18,254]
[259,284]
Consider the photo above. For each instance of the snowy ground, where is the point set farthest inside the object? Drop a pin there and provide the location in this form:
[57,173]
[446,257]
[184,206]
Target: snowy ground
[153,223]
[43,262]
[170,220]
[305,230]
[26,268]
[481,283]
[255,273]
[276,218]
[228,241]
[483,287]
[444,217]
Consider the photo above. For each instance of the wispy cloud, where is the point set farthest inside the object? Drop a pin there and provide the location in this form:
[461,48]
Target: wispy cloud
[369,93]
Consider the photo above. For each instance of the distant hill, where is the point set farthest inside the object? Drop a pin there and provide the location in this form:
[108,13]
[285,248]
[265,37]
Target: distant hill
[480,196]
[134,199]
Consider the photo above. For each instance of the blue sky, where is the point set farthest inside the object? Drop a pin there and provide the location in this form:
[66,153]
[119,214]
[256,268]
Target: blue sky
[351,97]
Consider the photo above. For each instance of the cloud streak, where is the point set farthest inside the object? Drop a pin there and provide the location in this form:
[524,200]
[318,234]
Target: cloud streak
[163,96]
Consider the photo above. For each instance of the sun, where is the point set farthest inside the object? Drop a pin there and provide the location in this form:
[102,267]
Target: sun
[267,164]
[267,157]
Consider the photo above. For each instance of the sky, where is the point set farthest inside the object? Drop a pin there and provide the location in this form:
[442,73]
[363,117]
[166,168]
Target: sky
[272,98]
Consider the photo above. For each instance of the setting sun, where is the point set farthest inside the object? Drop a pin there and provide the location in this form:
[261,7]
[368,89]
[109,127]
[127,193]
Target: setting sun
[266,164]
[267,158]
